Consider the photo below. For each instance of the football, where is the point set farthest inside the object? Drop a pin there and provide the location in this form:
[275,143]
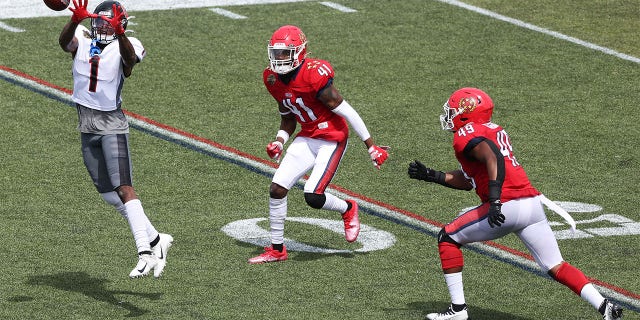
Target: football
[57,5]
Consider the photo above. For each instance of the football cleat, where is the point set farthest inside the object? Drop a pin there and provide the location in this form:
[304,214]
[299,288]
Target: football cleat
[351,222]
[449,314]
[270,255]
[160,251]
[611,311]
[146,262]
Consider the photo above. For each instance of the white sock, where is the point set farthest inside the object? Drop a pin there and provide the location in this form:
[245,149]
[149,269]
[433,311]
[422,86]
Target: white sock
[138,222]
[113,199]
[334,203]
[277,215]
[591,295]
[456,288]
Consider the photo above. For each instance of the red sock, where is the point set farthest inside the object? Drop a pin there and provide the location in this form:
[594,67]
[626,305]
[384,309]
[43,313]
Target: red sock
[571,277]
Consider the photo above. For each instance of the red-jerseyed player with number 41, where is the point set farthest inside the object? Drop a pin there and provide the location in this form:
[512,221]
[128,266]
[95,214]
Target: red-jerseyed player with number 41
[304,90]
[510,204]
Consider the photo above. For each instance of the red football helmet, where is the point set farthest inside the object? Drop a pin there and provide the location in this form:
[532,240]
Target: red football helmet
[287,48]
[464,106]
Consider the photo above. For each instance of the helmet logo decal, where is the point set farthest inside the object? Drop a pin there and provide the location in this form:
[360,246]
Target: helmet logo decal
[467,104]
[303,38]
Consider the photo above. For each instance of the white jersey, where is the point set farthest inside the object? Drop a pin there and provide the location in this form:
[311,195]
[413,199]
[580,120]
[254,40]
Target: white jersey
[98,80]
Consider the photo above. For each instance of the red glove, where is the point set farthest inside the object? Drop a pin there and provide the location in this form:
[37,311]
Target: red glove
[378,155]
[274,150]
[80,11]
[116,20]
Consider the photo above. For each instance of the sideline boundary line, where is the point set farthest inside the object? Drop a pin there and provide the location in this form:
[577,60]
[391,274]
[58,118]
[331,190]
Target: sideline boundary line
[532,27]
[524,261]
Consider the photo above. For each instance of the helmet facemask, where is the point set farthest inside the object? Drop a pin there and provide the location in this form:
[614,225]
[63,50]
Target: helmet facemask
[101,29]
[283,59]
[446,119]
[464,106]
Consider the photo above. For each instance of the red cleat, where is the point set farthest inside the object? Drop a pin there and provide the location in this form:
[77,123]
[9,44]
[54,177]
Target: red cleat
[270,255]
[351,222]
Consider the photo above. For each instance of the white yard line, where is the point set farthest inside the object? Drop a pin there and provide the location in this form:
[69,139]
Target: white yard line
[228,14]
[529,26]
[338,7]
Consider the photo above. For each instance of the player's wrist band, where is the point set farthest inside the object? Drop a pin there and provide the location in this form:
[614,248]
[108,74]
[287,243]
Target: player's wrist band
[284,135]
[439,177]
[495,189]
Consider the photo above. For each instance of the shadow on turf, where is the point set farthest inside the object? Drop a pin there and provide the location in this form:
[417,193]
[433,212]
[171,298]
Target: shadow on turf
[474,312]
[94,288]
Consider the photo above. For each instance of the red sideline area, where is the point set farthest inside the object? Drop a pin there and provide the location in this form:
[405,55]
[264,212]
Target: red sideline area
[335,187]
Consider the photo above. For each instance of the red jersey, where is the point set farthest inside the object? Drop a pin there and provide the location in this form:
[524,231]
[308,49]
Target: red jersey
[300,96]
[516,183]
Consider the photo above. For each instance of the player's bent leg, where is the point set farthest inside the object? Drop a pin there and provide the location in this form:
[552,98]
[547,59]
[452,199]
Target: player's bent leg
[452,262]
[569,276]
[277,216]
[451,256]
[348,208]
[315,200]
[575,280]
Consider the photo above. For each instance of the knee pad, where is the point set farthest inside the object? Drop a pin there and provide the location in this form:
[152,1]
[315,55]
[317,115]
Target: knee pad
[443,236]
[315,200]
[449,250]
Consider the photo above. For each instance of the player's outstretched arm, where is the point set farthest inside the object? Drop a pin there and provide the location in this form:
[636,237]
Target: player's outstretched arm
[453,179]
[334,101]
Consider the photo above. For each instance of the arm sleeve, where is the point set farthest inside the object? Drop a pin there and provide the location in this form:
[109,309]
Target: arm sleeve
[345,110]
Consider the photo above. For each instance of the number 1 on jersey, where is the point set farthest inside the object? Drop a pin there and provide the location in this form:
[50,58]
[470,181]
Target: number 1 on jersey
[93,78]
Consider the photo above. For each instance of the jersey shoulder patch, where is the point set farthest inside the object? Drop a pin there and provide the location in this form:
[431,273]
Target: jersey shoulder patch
[317,72]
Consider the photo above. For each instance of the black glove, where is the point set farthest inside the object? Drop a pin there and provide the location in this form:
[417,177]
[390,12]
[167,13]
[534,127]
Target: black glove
[418,171]
[495,216]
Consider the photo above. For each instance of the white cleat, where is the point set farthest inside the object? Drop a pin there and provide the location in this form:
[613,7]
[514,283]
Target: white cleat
[612,311]
[449,314]
[160,251]
[146,262]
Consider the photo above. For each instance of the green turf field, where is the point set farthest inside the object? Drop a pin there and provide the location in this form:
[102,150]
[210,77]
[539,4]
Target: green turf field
[569,110]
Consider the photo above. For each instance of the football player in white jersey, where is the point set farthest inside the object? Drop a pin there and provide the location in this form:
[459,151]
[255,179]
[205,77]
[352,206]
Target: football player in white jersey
[102,58]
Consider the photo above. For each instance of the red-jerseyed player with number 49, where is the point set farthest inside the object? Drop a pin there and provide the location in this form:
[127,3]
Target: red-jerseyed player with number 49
[304,90]
[510,204]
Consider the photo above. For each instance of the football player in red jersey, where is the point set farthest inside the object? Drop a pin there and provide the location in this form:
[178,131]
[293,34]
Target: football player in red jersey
[304,90]
[510,204]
